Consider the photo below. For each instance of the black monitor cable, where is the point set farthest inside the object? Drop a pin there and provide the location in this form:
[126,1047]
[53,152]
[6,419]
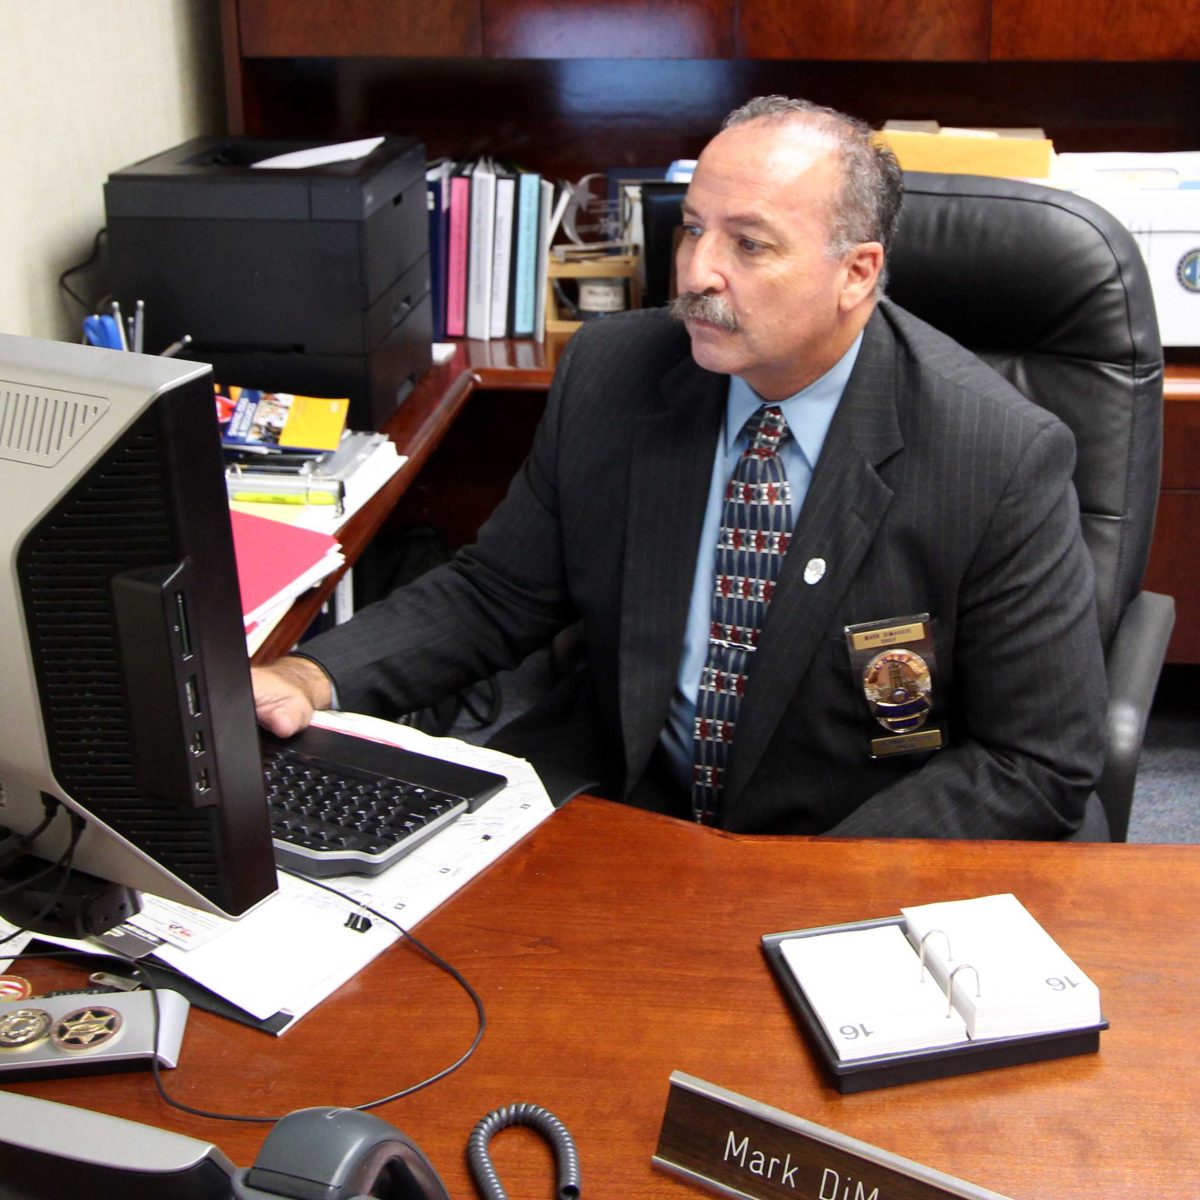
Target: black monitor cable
[91,259]
[15,845]
[64,862]
[147,973]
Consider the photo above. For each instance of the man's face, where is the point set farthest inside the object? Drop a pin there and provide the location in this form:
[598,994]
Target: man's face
[776,309]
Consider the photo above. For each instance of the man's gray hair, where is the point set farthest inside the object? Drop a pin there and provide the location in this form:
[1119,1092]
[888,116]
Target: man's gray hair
[867,207]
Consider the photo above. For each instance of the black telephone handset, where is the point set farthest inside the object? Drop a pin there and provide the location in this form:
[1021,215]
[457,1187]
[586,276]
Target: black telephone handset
[337,1154]
[343,1153]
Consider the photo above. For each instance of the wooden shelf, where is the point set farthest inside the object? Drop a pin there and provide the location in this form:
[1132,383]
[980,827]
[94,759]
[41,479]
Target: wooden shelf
[622,266]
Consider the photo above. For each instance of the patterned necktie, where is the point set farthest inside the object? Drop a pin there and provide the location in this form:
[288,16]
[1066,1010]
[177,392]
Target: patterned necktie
[756,523]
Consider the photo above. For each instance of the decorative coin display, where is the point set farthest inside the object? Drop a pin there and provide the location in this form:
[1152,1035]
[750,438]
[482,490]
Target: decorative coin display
[15,987]
[86,1028]
[22,1027]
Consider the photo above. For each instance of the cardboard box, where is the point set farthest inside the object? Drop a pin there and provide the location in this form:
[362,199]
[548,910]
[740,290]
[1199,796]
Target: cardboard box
[971,152]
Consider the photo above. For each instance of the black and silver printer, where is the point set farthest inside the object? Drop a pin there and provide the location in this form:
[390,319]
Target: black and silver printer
[312,280]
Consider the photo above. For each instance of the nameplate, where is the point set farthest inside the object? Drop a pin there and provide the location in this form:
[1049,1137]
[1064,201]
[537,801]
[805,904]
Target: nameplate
[738,1147]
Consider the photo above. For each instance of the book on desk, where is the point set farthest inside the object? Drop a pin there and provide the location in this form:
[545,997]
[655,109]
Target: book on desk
[267,423]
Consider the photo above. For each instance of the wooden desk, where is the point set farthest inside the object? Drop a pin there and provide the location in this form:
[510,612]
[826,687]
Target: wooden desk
[615,946]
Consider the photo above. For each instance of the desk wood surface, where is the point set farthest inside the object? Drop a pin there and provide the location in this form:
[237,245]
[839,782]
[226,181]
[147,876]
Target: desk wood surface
[614,946]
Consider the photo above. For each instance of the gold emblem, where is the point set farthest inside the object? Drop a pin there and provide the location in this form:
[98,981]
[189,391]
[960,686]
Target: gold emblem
[897,684]
[20,1027]
[86,1028]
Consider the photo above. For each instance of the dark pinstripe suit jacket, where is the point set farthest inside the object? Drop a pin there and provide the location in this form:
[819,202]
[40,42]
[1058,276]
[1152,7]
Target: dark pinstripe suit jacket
[939,490]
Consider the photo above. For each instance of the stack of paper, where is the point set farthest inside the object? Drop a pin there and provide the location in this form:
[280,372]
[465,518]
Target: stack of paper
[869,994]
[352,474]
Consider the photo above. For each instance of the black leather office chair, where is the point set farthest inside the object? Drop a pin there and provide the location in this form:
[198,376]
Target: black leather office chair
[1051,291]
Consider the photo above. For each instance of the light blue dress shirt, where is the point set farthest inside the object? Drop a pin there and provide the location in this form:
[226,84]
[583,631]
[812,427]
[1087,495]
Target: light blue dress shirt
[808,413]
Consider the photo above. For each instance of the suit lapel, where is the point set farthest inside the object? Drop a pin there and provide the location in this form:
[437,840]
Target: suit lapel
[669,475]
[846,502]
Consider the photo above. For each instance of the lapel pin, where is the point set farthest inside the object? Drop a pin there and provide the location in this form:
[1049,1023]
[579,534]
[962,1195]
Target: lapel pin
[814,571]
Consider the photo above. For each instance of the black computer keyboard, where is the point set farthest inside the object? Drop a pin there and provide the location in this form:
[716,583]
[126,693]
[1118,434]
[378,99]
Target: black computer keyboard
[344,806]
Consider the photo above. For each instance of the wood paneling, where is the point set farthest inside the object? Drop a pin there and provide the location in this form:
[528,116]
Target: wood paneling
[1102,29]
[585,29]
[854,30]
[1174,569]
[566,117]
[1174,566]
[929,30]
[1181,426]
[300,28]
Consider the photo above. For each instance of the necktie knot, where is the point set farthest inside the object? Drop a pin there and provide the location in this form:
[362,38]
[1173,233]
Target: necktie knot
[767,428]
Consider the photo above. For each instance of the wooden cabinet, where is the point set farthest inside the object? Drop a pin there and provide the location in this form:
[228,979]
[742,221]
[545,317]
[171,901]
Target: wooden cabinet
[356,28]
[585,29]
[1175,556]
[1112,30]
[893,30]
[851,30]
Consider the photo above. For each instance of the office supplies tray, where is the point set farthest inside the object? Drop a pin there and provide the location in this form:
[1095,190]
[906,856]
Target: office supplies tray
[915,1066]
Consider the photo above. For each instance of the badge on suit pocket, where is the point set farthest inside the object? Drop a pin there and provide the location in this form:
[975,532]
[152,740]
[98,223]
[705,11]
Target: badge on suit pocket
[895,662]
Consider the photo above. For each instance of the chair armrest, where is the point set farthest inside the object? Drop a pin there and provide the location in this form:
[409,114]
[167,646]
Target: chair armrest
[1134,664]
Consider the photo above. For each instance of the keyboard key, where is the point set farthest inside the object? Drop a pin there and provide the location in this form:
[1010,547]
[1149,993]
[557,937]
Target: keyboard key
[329,819]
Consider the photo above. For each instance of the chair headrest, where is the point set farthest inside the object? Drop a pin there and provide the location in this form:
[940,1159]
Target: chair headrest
[1051,290]
[1007,265]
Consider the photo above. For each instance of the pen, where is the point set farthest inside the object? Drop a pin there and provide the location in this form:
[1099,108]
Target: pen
[116,312]
[175,347]
[139,322]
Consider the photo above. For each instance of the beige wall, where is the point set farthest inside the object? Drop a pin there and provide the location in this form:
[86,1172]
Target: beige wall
[87,87]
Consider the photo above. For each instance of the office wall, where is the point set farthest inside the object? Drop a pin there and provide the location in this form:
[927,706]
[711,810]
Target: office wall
[86,87]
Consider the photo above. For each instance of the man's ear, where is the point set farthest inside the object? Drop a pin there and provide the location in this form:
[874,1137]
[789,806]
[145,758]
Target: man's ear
[862,267]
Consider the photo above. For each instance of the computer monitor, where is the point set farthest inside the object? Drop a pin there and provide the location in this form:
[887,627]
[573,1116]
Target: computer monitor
[125,701]
[661,224]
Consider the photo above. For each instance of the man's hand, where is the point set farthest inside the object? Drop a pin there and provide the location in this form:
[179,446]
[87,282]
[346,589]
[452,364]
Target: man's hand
[288,692]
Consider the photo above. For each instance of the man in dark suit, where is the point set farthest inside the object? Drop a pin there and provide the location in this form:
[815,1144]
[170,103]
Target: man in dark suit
[924,659]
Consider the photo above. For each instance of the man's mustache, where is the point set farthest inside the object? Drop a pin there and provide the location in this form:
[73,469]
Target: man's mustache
[695,306]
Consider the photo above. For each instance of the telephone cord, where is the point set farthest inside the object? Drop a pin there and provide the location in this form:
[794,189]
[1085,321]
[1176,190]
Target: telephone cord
[547,1124]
